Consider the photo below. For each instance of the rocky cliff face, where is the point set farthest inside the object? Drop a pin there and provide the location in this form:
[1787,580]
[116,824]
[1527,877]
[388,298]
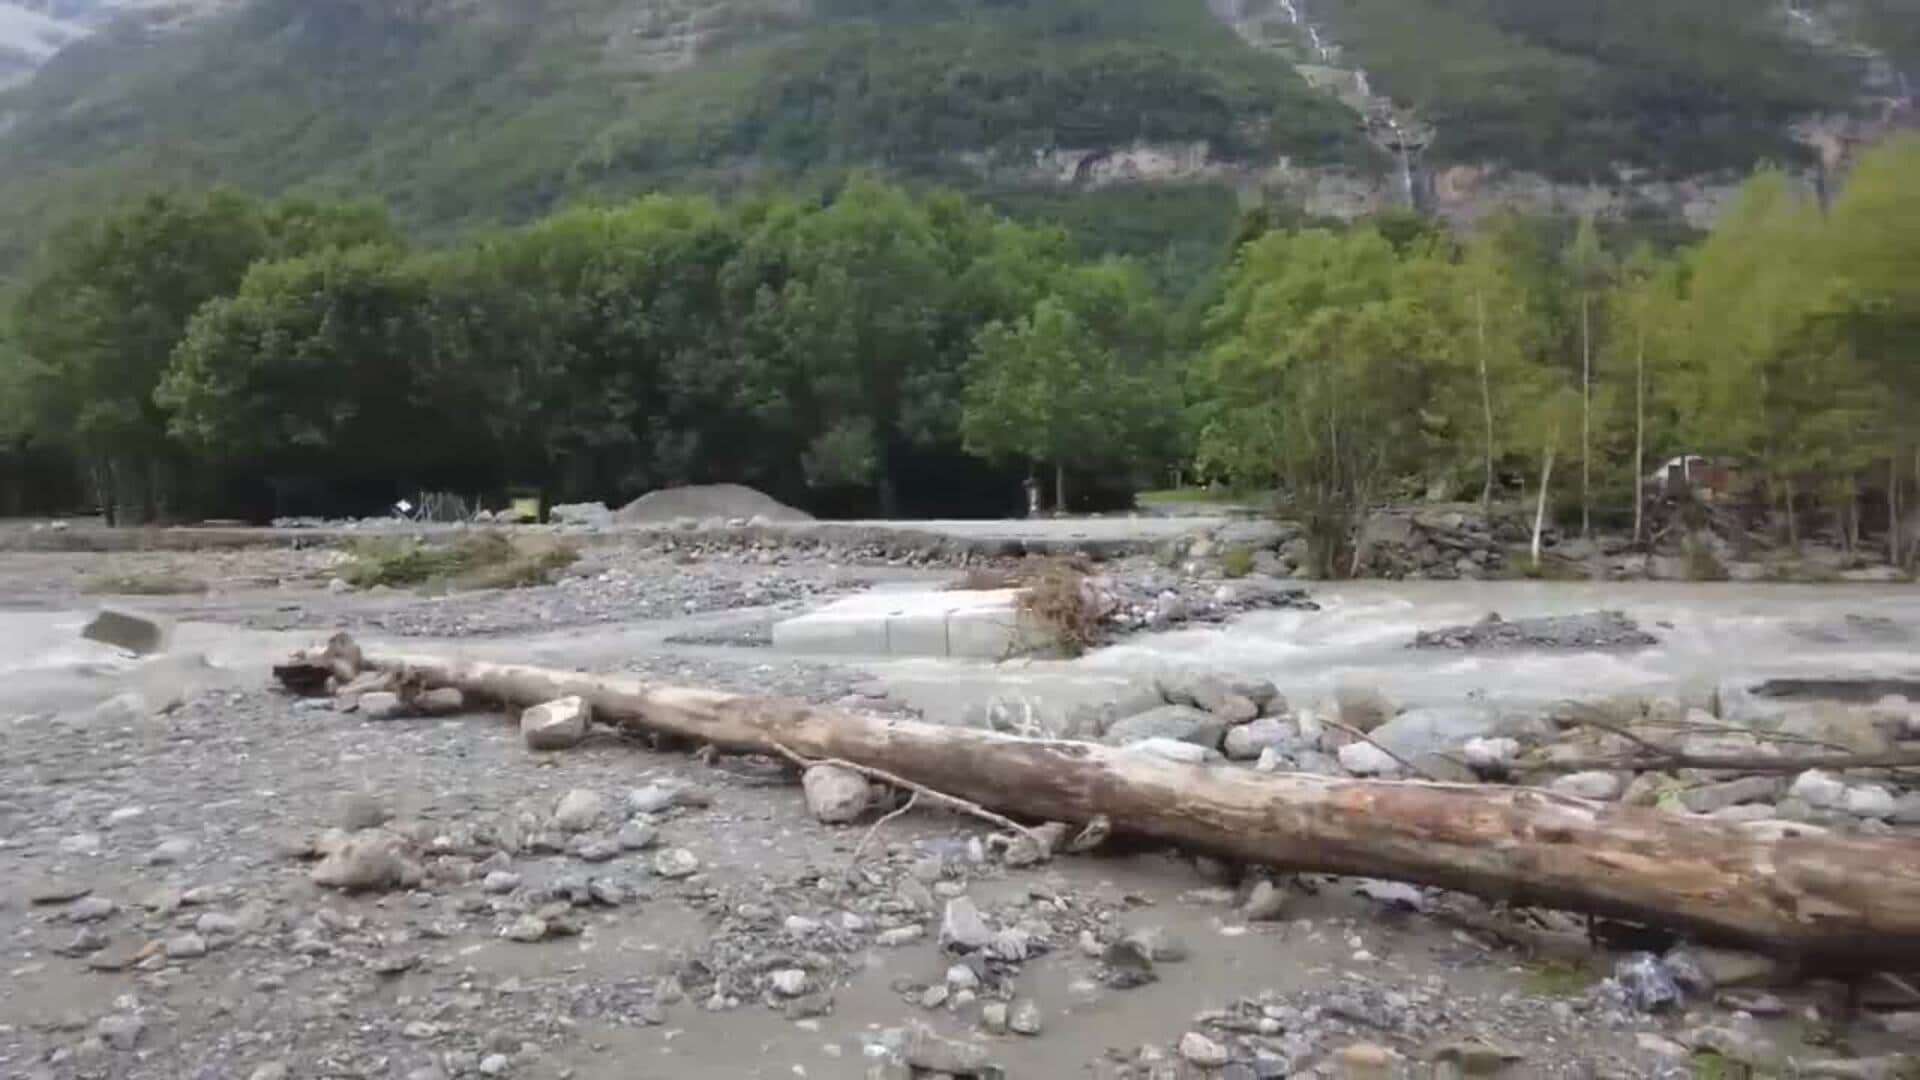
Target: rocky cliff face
[31,31]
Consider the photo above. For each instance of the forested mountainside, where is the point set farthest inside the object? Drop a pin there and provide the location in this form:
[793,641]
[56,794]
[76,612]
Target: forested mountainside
[465,111]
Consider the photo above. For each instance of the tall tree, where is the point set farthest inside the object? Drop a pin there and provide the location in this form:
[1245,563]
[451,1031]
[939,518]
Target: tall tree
[1645,315]
[1588,266]
[100,319]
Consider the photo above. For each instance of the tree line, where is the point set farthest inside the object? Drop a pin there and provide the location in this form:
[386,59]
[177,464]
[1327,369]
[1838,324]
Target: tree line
[1786,343]
[216,354]
[195,351]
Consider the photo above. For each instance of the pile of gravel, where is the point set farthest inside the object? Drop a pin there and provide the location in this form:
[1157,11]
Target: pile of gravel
[726,502]
[1587,630]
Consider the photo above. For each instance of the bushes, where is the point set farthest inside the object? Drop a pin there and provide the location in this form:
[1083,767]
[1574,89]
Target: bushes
[483,560]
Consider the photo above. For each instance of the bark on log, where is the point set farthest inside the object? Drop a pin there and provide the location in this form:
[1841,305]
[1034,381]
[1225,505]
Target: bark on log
[1782,888]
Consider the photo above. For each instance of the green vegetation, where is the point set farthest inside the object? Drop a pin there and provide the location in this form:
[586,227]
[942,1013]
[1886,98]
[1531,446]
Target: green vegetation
[148,583]
[483,560]
[1558,979]
[195,353]
[1571,87]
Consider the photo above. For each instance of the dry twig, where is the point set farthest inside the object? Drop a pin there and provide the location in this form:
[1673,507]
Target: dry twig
[965,806]
[1371,741]
[861,847]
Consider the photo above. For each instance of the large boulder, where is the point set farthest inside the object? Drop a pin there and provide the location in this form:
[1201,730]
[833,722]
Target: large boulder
[1246,742]
[1435,730]
[836,796]
[136,632]
[555,725]
[1361,707]
[1181,722]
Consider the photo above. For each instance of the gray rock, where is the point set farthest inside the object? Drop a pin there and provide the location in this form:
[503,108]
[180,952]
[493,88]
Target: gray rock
[500,882]
[122,1032]
[1205,692]
[675,863]
[170,852]
[1820,790]
[593,849]
[1436,730]
[380,705]
[1646,983]
[1366,759]
[217,925]
[962,928]
[526,929]
[934,1053]
[1906,809]
[1235,709]
[372,860]
[1722,969]
[1262,693]
[637,836]
[272,1070]
[579,810]
[1490,757]
[1173,750]
[440,701]
[186,947]
[836,796]
[495,1065]
[1600,786]
[1361,707]
[556,725]
[90,909]
[1201,1051]
[137,632]
[789,982]
[1246,742]
[655,798]
[1869,801]
[1025,1018]
[362,810]
[1180,722]
[1267,902]
[1707,798]
[993,1017]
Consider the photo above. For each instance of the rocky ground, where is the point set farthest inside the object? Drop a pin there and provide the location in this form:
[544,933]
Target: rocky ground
[244,884]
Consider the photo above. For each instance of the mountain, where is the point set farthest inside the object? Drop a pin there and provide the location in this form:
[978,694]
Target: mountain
[28,38]
[466,111]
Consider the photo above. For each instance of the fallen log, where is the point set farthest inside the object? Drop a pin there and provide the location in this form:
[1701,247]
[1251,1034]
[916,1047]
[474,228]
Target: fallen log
[1778,887]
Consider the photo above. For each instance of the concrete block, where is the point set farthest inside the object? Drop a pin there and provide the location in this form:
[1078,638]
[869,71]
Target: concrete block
[971,625]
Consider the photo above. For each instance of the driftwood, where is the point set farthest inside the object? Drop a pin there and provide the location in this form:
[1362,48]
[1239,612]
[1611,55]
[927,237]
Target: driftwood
[1788,889]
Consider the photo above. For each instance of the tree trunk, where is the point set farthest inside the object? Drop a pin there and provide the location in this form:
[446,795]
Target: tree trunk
[1540,509]
[1586,416]
[1640,439]
[1804,892]
[1893,511]
[1059,490]
[1486,407]
[1793,520]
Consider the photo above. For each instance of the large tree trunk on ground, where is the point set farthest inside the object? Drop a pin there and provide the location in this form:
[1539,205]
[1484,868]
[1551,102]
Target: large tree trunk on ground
[1786,889]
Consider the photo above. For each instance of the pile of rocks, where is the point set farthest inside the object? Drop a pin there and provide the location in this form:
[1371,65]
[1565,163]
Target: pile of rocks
[1588,630]
[1440,544]
[1141,598]
[1358,732]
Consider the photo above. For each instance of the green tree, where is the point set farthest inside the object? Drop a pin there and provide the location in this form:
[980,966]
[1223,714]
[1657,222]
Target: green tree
[1646,315]
[1317,378]
[1589,268]
[1872,255]
[1076,382]
[310,366]
[100,319]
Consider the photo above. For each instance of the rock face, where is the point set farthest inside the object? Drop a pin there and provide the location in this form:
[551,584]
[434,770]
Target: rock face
[836,796]
[140,634]
[1183,723]
[555,725]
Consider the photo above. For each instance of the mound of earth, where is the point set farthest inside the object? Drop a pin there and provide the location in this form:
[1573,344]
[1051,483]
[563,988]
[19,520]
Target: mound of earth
[1587,630]
[706,501]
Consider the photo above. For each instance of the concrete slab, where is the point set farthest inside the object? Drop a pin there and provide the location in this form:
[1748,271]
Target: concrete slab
[957,625]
